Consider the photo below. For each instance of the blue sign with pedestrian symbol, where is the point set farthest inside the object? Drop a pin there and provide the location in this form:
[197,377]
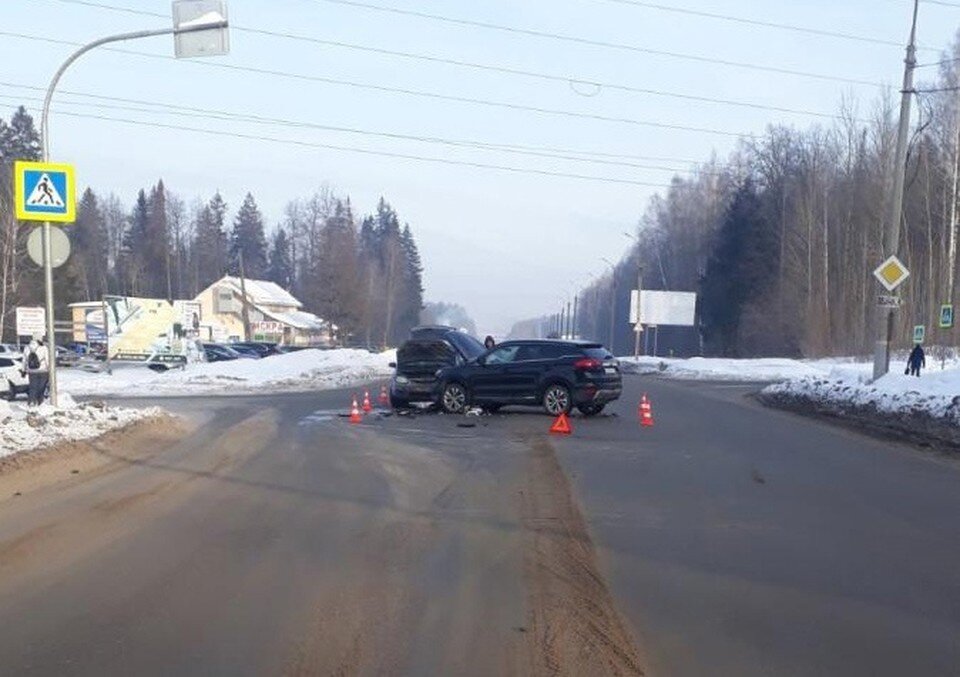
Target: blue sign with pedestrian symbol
[946,316]
[45,192]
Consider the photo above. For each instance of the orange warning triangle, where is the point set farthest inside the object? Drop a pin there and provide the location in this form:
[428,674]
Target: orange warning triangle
[562,425]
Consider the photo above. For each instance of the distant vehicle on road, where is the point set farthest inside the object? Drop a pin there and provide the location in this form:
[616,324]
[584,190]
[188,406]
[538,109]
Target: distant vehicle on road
[557,375]
[13,380]
[420,359]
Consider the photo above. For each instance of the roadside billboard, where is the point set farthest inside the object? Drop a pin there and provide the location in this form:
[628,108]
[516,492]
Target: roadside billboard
[31,321]
[660,308]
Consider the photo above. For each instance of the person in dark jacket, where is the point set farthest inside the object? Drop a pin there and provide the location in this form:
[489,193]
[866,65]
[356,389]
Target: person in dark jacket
[489,343]
[916,360]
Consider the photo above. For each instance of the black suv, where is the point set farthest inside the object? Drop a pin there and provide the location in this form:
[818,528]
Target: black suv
[421,357]
[557,375]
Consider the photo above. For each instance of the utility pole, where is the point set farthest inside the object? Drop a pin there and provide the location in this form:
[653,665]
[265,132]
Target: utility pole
[894,215]
[244,310]
[639,328]
[576,298]
[568,320]
[560,331]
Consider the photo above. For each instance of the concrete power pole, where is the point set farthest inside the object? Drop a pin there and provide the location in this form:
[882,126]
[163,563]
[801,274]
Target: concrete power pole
[639,328]
[244,309]
[894,212]
[576,299]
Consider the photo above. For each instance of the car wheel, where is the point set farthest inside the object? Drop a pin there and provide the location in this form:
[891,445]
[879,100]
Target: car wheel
[590,409]
[454,398]
[556,399]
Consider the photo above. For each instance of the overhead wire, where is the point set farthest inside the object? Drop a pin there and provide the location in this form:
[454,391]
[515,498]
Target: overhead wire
[503,105]
[505,70]
[208,113]
[574,39]
[366,151]
[759,23]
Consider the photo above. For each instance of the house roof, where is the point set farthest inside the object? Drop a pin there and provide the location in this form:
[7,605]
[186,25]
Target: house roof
[297,319]
[263,292]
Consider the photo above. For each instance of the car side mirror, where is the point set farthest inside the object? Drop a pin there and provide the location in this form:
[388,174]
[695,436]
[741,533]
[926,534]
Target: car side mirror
[392,365]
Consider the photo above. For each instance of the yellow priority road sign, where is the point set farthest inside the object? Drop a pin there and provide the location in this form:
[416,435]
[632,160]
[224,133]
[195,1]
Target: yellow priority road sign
[45,191]
[891,273]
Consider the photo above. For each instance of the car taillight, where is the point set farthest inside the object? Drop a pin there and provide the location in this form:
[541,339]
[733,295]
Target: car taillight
[587,364]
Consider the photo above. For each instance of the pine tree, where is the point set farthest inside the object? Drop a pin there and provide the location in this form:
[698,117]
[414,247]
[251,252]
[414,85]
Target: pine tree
[90,248]
[156,246]
[280,267]
[210,244]
[248,239]
[131,263]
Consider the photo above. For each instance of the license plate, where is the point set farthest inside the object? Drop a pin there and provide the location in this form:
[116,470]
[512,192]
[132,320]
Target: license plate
[610,370]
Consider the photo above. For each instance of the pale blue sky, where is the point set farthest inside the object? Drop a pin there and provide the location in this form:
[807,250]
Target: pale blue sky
[504,245]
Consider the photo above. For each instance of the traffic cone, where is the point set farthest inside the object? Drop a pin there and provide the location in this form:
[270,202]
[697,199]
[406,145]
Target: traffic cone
[384,398]
[646,412]
[562,425]
[367,407]
[355,416]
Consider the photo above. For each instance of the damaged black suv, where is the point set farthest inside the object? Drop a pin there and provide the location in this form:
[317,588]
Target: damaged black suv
[422,356]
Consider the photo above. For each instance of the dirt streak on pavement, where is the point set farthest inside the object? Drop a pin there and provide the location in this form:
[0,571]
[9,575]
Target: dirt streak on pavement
[575,628]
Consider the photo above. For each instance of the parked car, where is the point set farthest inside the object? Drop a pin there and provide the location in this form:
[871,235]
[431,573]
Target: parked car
[13,379]
[218,352]
[261,348]
[245,350]
[421,358]
[557,375]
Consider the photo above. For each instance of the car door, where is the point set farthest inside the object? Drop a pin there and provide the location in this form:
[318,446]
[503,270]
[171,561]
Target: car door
[523,374]
[490,379]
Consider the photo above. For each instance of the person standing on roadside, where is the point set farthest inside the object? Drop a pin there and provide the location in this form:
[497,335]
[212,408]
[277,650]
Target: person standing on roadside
[489,343]
[36,361]
[916,360]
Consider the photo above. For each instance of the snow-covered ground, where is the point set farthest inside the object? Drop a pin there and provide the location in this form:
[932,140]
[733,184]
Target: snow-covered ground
[26,429]
[300,371]
[728,369]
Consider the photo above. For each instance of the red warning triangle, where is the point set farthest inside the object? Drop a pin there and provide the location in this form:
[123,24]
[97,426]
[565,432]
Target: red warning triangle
[561,426]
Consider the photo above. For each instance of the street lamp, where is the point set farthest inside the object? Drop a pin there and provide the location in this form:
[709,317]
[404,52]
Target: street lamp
[637,330]
[200,29]
[613,299]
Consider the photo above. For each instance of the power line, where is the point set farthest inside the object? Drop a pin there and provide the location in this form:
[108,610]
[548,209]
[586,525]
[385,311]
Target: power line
[504,105]
[207,113]
[595,43]
[365,151]
[571,80]
[763,24]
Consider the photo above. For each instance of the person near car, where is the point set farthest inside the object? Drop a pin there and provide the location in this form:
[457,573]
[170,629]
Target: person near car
[916,361]
[489,343]
[36,362]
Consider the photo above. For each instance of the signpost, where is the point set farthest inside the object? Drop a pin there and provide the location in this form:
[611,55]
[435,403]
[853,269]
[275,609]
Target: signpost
[946,316]
[31,321]
[59,247]
[888,301]
[45,191]
[891,273]
[919,333]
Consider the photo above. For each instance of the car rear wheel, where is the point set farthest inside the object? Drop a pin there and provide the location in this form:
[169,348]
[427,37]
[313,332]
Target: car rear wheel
[556,399]
[454,398]
[590,409]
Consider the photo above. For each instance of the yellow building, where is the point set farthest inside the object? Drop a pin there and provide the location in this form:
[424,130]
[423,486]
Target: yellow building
[275,314]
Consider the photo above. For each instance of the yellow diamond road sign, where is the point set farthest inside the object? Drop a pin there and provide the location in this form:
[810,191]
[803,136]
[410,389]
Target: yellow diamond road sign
[891,273]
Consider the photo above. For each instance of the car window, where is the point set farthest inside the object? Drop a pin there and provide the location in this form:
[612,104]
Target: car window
[555,351]
[4,362]
[530,352]
[598,353]
[503,355]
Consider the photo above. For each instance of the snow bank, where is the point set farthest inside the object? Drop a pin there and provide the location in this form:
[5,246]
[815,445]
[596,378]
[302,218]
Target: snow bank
[722,369]
[304,370]
[27,429]
[935,395]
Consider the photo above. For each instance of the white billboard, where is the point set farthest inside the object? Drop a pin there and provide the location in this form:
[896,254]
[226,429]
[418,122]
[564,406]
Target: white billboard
[31,321]
[658,308]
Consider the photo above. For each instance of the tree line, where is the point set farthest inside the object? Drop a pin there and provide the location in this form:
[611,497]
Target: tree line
[781,238]
[362,274]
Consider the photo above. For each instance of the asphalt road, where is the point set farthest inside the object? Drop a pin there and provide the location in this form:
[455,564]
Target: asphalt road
[277,539]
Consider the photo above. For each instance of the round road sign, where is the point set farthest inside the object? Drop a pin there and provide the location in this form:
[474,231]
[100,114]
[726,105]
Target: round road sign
[59,245]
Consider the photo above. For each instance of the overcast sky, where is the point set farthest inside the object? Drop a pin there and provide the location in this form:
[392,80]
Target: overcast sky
[506,245]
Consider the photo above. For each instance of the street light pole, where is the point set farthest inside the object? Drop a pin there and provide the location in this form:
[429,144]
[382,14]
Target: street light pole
[45,140]
[613,301]
[891,231]
[638,330]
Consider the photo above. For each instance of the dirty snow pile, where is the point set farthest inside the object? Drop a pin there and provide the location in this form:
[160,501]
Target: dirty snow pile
[25,428]
[728,369]
[936,394]
[304,370]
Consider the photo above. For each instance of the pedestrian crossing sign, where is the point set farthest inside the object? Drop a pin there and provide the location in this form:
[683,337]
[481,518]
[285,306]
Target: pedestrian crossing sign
[45,191]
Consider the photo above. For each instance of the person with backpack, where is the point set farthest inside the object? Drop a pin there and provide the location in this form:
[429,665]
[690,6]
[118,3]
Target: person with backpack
[36,360]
